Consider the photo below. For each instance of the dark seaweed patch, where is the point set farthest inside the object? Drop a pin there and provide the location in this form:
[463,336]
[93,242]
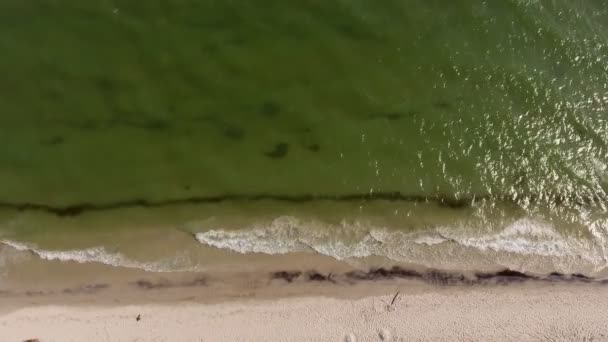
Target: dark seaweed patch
[504,277]
[280,151]
[382,273]
[270,109]
[405,273]
[150,124]
[316,276]
[288,276]
[87,289]
[436,277]
[231,131]
[581,278]
[148,285]
[358,275]
[164,283]
[393,116]
[556,276]
[313,147]
[513,274]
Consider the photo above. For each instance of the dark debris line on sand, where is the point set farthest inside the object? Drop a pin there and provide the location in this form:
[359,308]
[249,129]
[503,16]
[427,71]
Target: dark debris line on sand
[434,277]
[288,276]
[87,289]
[164,283]
[429,276]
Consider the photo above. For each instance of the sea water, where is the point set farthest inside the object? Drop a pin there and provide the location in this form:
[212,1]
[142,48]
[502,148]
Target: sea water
[449,134]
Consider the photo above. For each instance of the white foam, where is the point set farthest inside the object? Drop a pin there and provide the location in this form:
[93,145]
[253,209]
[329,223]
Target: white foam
[280,238]
[430,240]
[533,237]
[525,237]
[97,255]
[287,234]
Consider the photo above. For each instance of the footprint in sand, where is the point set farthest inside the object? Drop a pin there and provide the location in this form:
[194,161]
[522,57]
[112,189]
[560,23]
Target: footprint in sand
[350,338]
[385,335]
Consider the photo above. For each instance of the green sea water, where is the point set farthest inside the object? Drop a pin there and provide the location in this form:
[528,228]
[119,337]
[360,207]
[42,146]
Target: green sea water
[497,108]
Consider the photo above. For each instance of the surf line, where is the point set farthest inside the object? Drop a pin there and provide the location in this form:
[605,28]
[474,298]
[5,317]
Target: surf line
[448,201]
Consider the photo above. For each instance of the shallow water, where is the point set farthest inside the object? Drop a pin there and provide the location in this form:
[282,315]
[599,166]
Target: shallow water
[450,134]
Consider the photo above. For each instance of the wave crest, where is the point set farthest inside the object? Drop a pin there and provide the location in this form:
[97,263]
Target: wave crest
[522,239]
[97,255]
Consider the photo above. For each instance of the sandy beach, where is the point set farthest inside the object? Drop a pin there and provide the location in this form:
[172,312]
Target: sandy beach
[375,311]
[297,297]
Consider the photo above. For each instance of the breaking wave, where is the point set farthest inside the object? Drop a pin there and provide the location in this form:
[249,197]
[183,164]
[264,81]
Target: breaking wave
[99,255]
[524,243]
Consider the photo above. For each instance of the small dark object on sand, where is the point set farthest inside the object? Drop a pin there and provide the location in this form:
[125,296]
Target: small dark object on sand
[394,298]
[138,318]
[32,340]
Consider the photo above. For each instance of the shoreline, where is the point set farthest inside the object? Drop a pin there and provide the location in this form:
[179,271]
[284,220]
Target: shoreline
[372,311]
[213,287]
[297,297]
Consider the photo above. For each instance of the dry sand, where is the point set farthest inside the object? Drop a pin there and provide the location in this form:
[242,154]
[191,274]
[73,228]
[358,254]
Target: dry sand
[517,312]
